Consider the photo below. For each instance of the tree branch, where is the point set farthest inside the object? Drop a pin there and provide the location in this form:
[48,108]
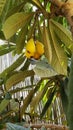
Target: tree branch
[52,126]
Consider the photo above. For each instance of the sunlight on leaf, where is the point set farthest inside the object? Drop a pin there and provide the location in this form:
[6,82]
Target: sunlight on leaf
[15,22]
[63,34]
[59,59]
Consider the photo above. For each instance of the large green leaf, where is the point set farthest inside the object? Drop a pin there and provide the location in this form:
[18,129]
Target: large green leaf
[47,44]
[59,58]
[2,4]
[63,34]
[15,22]
[17,77]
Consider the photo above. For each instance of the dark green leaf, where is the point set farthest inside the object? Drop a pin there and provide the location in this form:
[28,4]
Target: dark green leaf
[4,49]
[48,103]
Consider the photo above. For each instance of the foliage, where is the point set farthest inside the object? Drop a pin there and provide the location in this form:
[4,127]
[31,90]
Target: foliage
[21,21]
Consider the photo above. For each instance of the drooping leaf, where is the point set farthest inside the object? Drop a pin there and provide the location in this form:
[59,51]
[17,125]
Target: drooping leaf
[48,103]
[59,58]
[63,34]
[64,95]
[47,44]
[44,36]
[15,22]
[16,78]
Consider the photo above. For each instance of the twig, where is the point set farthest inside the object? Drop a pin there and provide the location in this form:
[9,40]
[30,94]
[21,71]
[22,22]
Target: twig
[52,126]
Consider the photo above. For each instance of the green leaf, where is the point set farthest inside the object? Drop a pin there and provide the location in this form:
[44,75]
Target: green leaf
[9,4]
[11,126]
[47,44]
[64,95]
[43,69]
[4,49]
[63,34]
[15,22]
[4,104]
[16,78]
[15,65]
[29,97]
[27,101]
[16,8]
[38,97]
[48,103]
[59,58]
[20,42]
[2,4]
